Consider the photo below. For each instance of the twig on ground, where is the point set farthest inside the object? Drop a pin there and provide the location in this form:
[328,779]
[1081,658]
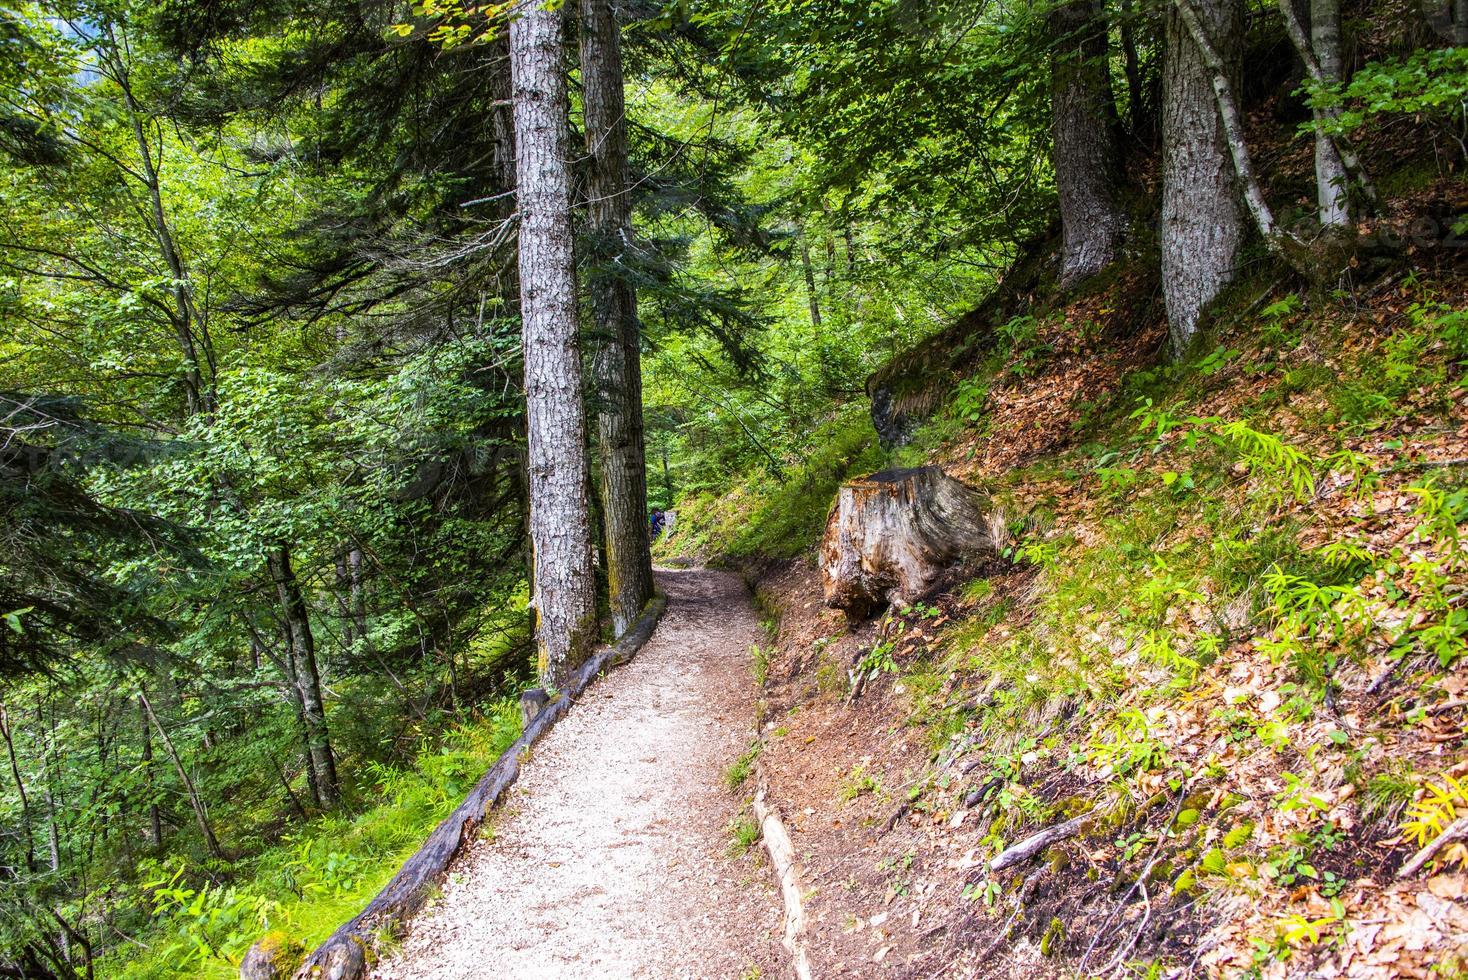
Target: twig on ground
[1454,831]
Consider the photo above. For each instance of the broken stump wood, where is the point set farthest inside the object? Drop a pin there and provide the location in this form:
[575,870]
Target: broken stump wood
[892,535]
[344,955]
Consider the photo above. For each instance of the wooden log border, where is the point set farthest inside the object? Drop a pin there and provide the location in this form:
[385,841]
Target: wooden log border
[344,955]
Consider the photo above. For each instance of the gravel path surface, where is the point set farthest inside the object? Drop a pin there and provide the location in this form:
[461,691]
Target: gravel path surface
[610,858]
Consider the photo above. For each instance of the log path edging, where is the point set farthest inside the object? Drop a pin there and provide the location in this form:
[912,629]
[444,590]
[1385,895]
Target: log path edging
[343,956]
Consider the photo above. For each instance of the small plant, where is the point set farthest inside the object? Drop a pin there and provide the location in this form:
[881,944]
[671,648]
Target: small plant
[858,782]
[759,664]
[745,833]
[738,771]
[1428,817]
[971,401]
[878,659]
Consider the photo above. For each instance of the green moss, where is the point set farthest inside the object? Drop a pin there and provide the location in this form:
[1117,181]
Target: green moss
[1053,937]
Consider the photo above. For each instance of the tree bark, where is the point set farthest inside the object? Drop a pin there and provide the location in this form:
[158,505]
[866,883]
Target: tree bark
[155,818]
[1223,75]
[1332,189]
[617,362]
[1202,226]
[811,295]
[25,805]
[1085,151]
[307,674]
[196,802]
[1319,51]
[892,535]
[560,522]
[344,599]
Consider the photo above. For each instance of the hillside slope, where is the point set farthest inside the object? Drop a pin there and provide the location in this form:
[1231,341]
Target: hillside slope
[1229,634]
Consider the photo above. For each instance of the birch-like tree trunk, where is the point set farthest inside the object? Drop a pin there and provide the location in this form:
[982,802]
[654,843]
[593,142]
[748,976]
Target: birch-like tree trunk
[1202,222]
[617,359]
[307,674]
[196,802]
[560,520]
[1085,155]
[1332,188]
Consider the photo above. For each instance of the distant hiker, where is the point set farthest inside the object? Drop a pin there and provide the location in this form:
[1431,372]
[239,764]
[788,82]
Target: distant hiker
[655,522]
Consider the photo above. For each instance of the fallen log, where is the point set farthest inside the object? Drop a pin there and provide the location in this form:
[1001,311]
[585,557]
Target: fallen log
[343,956]
[891,535]
[782,859]
[1031,846]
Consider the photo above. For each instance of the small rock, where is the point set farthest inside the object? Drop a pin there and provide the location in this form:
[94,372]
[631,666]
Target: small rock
[274,957]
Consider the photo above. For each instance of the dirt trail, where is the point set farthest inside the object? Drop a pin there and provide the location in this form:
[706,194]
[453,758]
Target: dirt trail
[610,857]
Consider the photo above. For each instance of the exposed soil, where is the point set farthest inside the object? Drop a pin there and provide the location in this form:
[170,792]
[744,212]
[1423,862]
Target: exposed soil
[611,857]
[886,878]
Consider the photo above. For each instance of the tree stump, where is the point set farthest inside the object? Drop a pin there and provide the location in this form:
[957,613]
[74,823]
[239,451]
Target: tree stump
[891,536]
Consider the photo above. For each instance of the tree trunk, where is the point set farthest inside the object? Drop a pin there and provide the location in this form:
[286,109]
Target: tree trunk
[1139,109]
[560,521]
[1460,23]
[617,363]
[307,674]
[891,536]
[359,593]
[25,805]
[53,829]
[155,818]
[1223,73]
[196,802]
[344,599]
[1320,52]
[1332,190]
[1085,152]
[811,295]
[1202,225]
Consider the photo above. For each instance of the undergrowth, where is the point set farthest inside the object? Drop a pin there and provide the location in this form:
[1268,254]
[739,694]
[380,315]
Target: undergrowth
[316,879]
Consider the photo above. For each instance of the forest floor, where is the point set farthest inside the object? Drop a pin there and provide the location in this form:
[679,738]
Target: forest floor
[614,854]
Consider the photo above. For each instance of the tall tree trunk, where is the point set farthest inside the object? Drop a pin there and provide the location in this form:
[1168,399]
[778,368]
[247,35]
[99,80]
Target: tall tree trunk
[1223,72]
[1460,23]
[1139,111]
[1202,223]
[560,522]
[155,818]
[359,592]
[1331,189]
[307,673]
[617,362]
[344,599]
[25,803]
[1335,158]
[1086,155]
[196,802]
[811,295]
[53,829]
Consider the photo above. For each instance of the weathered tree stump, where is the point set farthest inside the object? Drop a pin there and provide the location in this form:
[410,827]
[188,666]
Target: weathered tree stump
[892,535]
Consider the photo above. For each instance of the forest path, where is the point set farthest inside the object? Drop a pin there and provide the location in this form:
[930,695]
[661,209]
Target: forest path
[610,857]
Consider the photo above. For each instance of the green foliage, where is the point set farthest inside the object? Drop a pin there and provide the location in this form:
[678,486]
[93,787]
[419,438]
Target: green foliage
[1428,83]
[740,769]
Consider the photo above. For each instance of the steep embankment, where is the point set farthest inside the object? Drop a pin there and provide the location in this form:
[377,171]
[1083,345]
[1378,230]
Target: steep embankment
[1226,648]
